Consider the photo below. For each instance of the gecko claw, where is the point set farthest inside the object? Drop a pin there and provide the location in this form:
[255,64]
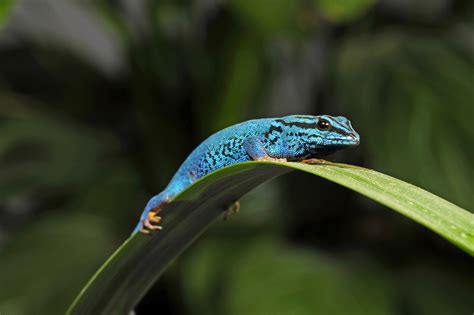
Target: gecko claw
[144,231]
[151,226]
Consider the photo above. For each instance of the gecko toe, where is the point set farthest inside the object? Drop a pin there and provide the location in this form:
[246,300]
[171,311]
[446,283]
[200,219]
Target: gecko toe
[151,226]
[143,230]
[155,219]
[232,210]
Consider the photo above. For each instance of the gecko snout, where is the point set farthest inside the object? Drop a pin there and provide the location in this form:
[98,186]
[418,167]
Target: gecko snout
[354,138]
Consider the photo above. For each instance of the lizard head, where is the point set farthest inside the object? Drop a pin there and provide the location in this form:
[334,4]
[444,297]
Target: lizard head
[323,134]
[336,131]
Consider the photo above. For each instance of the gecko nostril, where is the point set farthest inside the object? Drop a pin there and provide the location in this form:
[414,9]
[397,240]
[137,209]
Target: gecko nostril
[355,138]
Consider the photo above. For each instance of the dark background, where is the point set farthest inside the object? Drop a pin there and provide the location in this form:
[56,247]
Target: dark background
[100,102]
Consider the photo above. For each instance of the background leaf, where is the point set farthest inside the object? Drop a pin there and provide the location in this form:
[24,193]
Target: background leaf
[5,8]
[53,270]
[266,270]
[343,11]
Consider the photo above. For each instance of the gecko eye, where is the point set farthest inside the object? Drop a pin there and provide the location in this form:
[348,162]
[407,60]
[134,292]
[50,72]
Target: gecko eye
[323,125]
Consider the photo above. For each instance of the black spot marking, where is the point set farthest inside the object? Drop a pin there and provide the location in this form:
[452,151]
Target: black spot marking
[270,131]
[273,128]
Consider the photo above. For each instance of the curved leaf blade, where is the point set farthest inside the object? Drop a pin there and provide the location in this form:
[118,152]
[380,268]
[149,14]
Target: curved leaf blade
[128,274]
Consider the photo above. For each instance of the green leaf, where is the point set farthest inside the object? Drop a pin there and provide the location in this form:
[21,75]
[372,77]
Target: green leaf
[5,8]
[123,280]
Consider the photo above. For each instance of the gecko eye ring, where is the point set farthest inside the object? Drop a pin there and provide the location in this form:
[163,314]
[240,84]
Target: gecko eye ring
[323,125]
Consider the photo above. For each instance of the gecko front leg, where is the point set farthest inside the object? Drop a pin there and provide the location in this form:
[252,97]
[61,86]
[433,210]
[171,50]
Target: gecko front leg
[256,150]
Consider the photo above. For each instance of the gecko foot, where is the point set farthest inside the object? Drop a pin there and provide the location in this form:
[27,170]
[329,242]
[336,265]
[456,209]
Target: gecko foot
[314,161]
[233,209]
[269,158]
[150,223]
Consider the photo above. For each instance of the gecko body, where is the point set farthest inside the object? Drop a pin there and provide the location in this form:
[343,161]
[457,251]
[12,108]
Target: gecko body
[292,138]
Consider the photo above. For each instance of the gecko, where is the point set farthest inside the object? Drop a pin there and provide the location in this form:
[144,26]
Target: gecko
[303,138]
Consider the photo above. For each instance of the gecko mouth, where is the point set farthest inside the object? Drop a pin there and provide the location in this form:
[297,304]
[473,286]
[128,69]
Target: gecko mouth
[350,140]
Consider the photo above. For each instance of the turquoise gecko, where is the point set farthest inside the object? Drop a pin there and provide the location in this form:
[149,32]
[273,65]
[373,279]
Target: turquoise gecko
[289,138]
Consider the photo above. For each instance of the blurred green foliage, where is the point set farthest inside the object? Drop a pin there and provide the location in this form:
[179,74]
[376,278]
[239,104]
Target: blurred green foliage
[427,83]
[40,272]
[266,277]
[5,7]
[100,101]
[344,11]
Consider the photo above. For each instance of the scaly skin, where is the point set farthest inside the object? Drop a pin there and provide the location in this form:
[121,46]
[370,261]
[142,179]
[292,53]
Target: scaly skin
[293,138]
